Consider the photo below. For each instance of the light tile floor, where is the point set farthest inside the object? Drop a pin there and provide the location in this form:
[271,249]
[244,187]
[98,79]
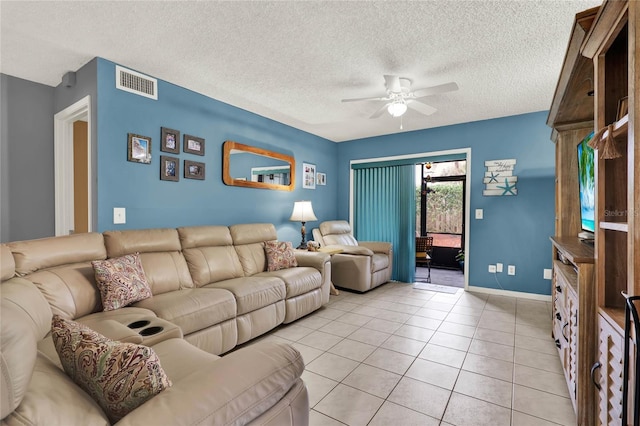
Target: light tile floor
[399,356]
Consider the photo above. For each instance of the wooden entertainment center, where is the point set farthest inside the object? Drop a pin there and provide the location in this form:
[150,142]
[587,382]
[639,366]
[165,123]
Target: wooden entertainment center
[600,71]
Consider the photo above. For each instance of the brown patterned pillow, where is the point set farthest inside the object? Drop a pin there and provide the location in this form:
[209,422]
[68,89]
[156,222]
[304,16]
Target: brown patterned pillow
[280,255]
[121,281]
[118,376]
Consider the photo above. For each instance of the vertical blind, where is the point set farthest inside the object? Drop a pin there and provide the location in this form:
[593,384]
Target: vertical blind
[385,209]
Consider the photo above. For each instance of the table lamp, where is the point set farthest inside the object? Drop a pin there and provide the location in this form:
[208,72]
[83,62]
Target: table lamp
[303,212]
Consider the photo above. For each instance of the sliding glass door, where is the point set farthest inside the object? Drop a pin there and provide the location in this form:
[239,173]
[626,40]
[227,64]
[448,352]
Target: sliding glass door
[440,209]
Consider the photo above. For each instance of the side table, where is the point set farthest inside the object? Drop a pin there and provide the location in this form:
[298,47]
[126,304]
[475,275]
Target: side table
[331,251]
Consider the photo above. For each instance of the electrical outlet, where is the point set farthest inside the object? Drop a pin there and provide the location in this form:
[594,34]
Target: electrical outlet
[119,215]
[547,274]
[479,214]
[511,270]
[498,267]
[492,269]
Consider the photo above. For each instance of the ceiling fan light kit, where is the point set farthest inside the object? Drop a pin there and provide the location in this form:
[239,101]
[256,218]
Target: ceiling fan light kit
[397,108]
[399,97]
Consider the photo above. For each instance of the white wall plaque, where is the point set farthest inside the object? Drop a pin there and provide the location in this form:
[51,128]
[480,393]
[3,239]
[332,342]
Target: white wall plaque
[499,179]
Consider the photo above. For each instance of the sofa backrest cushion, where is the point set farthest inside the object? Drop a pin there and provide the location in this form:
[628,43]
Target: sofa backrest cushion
[210,254]
[248,240]
[337,232]
[34,255]
[24,318]
[7,264]
[61,269]
[54,399]
[160,251]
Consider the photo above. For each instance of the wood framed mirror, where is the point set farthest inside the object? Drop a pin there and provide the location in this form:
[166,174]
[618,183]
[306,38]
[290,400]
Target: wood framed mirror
[252,167]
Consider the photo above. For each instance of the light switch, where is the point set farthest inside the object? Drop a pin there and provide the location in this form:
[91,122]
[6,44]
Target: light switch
[119,215]
[479,214]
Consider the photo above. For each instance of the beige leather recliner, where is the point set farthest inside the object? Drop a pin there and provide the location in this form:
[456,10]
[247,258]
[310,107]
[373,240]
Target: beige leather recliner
[359,266]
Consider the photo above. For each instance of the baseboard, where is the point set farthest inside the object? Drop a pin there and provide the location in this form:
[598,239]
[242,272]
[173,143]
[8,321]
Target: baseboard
[499,292]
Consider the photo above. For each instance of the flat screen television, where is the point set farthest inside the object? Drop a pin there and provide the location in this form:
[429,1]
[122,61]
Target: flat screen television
[587,190]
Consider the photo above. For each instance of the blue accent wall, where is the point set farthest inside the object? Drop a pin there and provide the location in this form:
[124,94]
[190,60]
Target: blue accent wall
[152,203]
[515,229]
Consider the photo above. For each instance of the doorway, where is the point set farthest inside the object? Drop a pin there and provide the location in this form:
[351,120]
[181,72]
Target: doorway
[440,213]
[73,169]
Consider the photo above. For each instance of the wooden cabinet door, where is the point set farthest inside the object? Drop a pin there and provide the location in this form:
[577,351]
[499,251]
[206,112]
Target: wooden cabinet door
[609,376]
[570,333]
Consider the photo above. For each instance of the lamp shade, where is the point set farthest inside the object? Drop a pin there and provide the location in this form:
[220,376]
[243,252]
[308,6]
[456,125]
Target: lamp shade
[302,212]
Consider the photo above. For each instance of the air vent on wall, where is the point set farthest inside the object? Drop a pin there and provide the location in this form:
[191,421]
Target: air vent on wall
[134,82]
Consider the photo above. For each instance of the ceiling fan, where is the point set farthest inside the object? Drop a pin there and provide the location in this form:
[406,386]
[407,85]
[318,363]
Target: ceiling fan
[400,97]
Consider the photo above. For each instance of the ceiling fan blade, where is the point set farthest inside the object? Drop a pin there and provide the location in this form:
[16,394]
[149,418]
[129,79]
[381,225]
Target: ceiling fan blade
[420,107]
[435,90]
[393,83]
[382,109]
[375,98]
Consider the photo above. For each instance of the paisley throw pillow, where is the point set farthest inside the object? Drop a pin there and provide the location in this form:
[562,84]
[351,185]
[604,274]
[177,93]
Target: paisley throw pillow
[121,281]
[280,255]
[118,376]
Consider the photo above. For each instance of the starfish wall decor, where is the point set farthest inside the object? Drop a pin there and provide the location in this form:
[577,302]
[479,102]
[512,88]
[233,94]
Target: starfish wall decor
[499,179]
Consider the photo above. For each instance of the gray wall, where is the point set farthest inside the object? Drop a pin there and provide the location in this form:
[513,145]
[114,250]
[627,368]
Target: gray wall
[27,167]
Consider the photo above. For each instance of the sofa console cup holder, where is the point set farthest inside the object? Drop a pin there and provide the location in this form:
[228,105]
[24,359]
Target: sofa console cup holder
[150,331]
[139,324]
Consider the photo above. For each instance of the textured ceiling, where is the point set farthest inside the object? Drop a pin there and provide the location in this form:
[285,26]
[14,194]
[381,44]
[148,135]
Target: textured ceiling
[294,61]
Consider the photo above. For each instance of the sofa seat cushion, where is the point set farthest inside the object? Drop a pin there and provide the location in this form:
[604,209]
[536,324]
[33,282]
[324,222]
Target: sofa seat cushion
[379,261]
[192,309]
[246,383]
[253,293]
[297,281]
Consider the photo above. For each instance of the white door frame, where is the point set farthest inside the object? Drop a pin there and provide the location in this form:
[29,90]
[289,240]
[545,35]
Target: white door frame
[63,158]
[467,212]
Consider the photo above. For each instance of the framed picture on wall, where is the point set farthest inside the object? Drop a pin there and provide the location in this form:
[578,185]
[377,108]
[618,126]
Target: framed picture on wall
[138,148]
[193,145]
[170,140]
[321,178]
[193,170]
[169,168]
[308,176]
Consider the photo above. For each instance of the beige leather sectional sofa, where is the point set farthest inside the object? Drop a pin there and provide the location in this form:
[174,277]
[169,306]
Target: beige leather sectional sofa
[211,292]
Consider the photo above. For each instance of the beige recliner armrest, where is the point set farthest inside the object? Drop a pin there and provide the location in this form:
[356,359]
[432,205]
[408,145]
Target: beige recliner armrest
[312,259]
[376,246]
[355,250]
[114,330]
